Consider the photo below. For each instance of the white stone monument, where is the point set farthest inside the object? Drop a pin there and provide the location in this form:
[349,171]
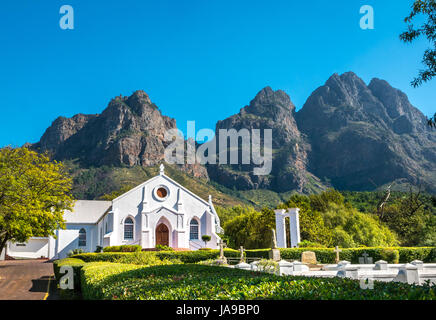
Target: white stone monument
[294,224]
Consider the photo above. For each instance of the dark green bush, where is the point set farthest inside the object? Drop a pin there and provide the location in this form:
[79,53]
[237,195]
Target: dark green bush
[161,247]
[390,255]
[77,265]
[327,255]
[101,257]
[123,248]
[183,256]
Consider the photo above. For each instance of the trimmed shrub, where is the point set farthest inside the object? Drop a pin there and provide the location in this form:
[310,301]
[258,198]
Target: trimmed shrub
[123,248]
[161,247]
[194,282]
[181,256]
[101,257]
[77,265]
[390,255]
[327,255]
[196,256]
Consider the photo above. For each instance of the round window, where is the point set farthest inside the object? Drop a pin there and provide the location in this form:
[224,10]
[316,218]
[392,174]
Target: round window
[161,192]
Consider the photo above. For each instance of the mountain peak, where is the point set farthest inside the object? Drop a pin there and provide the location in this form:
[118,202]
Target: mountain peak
[269,103]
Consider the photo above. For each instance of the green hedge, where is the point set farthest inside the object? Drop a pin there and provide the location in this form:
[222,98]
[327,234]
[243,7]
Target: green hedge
[323,255]
[327,255]
[196,256]
[193,282]
[123,248]
[182,256]
[77,265]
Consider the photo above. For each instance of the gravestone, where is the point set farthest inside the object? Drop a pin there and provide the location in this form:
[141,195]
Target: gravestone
[365,259]
[308,257]
[222,259]
[274,253]
[337,250]
[241,257]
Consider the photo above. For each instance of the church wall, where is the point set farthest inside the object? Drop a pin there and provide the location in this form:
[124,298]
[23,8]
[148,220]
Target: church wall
[130,204]
[68,239]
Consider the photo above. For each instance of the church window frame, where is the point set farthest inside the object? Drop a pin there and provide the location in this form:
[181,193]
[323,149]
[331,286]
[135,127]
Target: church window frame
[194,229]
[129,229]
[82,237]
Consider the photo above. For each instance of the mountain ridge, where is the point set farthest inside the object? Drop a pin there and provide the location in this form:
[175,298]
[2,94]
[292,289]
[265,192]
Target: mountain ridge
[348,135]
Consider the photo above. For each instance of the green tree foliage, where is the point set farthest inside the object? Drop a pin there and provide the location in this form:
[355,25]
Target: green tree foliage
[312,226]
[324,218]
[423,9]
[351,228]
[227,214]
[115,194]
[412,219]
[251,229]
[34,193]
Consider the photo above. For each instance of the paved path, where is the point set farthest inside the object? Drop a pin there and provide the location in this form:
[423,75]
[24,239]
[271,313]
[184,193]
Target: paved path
[26,280]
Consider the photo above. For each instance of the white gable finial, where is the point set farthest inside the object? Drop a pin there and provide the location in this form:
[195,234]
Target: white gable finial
[210,198]
[162,169]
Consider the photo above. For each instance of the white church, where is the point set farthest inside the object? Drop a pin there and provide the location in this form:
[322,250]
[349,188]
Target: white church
[159,211]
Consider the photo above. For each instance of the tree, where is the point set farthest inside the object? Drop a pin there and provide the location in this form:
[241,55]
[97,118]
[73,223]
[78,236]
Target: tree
[115,194]
[34,192]
[206,239]
[407,217]
[351,228]
[312,227]
[252,229]
[427,8]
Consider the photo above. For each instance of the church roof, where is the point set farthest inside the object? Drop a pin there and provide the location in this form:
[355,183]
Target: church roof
[87,211]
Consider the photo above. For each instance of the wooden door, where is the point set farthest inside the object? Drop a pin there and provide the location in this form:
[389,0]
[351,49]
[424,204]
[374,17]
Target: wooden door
[162,235]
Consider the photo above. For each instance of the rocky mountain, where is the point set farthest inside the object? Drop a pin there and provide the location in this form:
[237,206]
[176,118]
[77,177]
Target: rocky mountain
[129,132]
[269,110]
[348,135]
[364,136]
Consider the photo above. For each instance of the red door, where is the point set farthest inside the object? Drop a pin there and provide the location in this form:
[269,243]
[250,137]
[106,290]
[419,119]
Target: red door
[162,235]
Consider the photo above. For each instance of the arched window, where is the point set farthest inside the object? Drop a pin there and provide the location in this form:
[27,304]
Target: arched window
[193,230]
[128,229]
[82,238]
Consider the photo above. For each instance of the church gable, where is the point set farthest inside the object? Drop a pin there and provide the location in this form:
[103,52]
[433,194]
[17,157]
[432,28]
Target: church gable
[157,192]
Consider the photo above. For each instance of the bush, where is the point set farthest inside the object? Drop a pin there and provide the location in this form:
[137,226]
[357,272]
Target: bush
[77,265]
[161,247]
[144,258]
[194,281]
[309,244]
[123,248]
[75,251]
[175,256]
[327,255]
[390,255]
[196,256]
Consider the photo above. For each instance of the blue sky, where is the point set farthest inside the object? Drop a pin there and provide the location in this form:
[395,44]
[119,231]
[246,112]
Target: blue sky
[198,60]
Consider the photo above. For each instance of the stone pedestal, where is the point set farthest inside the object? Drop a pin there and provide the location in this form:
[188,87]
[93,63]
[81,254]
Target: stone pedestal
[274,254]
[285,267]
[381,265]
[243,266]
[408,274]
